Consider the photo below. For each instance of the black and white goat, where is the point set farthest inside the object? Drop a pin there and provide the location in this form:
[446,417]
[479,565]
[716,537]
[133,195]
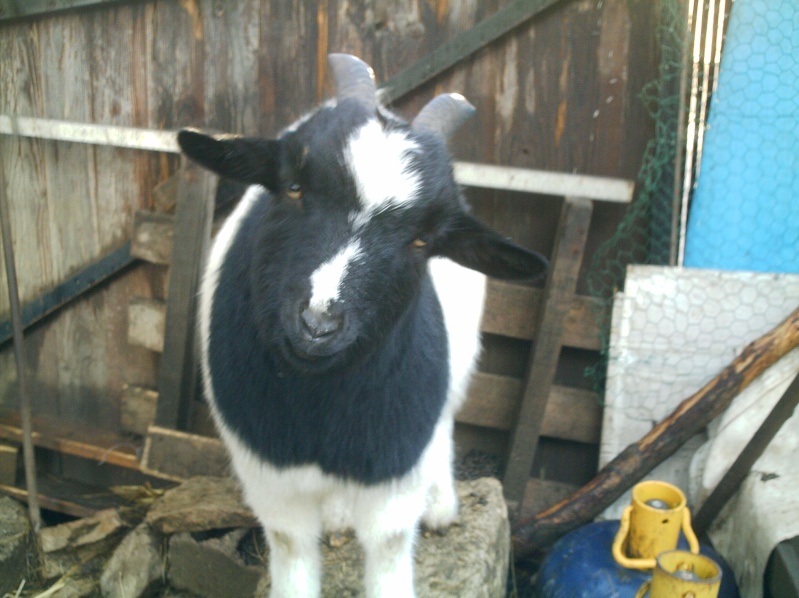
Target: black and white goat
[339,319]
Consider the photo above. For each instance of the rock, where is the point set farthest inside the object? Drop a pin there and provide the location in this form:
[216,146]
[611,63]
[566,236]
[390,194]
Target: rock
[199,504]
[137,566]
[69,544]
[213,567]
[469,559]
[14,544]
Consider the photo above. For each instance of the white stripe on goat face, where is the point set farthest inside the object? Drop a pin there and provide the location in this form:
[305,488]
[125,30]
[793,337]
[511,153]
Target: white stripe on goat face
[326,280]
[381,164]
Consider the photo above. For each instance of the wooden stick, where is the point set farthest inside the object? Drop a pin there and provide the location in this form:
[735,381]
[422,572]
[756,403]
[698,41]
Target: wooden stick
[638,459]
[28,456]
[739,470]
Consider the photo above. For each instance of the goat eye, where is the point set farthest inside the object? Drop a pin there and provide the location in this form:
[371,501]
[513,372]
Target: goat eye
[419,243]
[294,192]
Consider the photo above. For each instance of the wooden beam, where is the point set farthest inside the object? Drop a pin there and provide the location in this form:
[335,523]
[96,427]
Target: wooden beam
[544,182]
[510,310]
[178,372]
[14,9]
[571,413]
[739,470]
[491,176]
[68,496]
[71,439]
[493,401]
[462,46]
[514,310]
[72,288]
[109,135]
[559,294]
[175,455]
[8,464]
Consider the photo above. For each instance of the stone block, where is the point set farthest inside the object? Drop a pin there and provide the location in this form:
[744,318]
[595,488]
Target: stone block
[137,566]
[14,544]
[69,544]
[469,559]
[212,567]
[200,504]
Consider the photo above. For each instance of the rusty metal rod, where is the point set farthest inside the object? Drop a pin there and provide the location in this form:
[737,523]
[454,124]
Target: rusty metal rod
[19,353]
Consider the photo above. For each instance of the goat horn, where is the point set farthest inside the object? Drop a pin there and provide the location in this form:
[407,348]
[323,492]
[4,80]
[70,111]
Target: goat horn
[443,114]
[353,79]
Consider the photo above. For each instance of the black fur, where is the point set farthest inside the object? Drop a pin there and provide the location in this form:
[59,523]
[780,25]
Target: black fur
[367,420]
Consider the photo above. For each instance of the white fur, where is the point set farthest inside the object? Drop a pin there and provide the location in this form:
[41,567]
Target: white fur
[326,280]
[380,163]
[294,505]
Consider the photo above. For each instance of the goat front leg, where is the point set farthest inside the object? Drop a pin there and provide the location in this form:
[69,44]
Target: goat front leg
[293,531]
[385,523]
[442,502]
[389,564]
[294,565]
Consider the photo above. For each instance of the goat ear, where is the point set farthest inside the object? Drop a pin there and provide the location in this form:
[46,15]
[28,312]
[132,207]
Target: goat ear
[473,245]
[249,160]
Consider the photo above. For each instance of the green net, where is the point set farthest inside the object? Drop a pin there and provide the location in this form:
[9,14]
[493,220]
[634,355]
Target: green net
[649,232]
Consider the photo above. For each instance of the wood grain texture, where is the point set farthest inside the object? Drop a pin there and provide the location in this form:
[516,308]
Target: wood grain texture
[174,455]
[147,323]
[558,296]
[541,91]
[178,374]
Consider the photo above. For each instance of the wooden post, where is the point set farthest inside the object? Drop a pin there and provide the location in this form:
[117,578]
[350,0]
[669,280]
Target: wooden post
[559,293]
[28,453]
[177,376]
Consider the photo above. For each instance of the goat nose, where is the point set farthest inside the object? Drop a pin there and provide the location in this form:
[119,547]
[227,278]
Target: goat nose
[320,324]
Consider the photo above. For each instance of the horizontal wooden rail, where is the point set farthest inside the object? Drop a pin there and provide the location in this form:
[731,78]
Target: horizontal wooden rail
[510,309]
[474,175]
[544,182]
[80,441]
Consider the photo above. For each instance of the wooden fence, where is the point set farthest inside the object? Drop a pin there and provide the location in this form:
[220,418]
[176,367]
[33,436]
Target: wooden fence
[556,93]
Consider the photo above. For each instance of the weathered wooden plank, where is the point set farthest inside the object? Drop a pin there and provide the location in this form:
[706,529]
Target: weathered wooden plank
[513,310]
[571,414]
[559,293]
[8,464]
[87,442]
[146,323]
[68,496]
[70,289]
[231,94]
[82,132]
[175,455]
[544,182]
[510,309]
[13,9]
[177,376]
[463,45]
[152,239]
[137,409]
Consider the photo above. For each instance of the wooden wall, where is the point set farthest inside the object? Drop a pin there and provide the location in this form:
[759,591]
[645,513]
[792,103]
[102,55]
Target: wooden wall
[559,92]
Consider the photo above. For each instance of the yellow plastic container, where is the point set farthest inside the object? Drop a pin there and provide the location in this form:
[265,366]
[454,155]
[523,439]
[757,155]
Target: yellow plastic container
[681,574]
[651,525]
